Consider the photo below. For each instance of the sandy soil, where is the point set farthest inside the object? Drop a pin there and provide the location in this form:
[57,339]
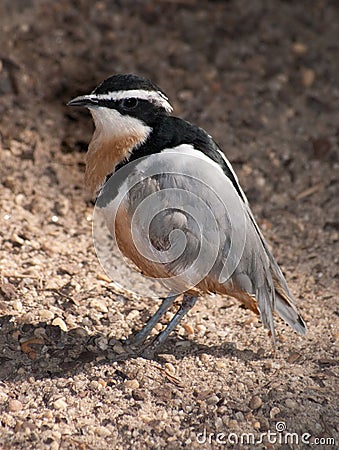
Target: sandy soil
[262,78]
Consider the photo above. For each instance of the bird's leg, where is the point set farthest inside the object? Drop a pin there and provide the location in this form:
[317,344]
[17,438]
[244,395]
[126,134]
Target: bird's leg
[187,304]
[143,334]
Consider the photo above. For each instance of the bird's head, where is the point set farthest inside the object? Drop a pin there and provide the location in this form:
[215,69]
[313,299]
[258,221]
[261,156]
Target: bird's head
[125,109]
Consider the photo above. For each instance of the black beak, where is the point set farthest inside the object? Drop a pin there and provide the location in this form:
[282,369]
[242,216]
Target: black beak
[84,100]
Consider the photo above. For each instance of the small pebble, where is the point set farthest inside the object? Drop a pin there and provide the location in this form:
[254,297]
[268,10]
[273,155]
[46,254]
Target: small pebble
[14,405]
[256,425]
[132,315]
[218,423]
[158,327]
[46,315]
[3,397]
[212,400]
[95,385]
[299,48]
[40,332]
[102,382]
[239,416]
[307,77]
[132,384]
[81,332]
[58,322]
[99,304]
[170,368]
[233,425]
[293,357]
[47,414]
[291,403]
[201,329]
[169,430]
[139,395]
[188,328]
[17,305]
[255,402]
[148,419]
[102,431]
[204,357]
[60,404]
[274,412]
[17,239]
[220,364]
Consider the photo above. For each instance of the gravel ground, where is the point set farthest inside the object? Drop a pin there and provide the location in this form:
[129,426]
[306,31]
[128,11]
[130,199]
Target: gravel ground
[262,78]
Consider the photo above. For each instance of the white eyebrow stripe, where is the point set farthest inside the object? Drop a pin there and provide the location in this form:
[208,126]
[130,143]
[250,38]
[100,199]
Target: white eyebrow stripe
[156,97]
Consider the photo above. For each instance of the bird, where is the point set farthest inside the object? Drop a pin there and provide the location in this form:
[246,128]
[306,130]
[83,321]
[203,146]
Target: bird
[176,209]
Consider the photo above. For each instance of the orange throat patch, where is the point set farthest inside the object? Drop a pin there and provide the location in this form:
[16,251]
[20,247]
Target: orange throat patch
[102,157]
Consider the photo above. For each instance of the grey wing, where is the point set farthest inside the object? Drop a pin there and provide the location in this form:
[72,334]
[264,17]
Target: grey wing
[198,226]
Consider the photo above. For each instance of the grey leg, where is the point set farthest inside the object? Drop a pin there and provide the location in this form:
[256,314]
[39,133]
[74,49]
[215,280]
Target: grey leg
[187,304]
[143,334]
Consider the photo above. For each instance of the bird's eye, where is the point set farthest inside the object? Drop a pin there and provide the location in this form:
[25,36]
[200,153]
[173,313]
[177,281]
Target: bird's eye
[129,103]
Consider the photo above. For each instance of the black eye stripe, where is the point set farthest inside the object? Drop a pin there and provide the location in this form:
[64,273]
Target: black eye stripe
[129,103]
[125,103]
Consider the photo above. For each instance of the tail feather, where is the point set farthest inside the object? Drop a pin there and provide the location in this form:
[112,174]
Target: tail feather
[289,313]
[275,296]
[284,304]
[264,299]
